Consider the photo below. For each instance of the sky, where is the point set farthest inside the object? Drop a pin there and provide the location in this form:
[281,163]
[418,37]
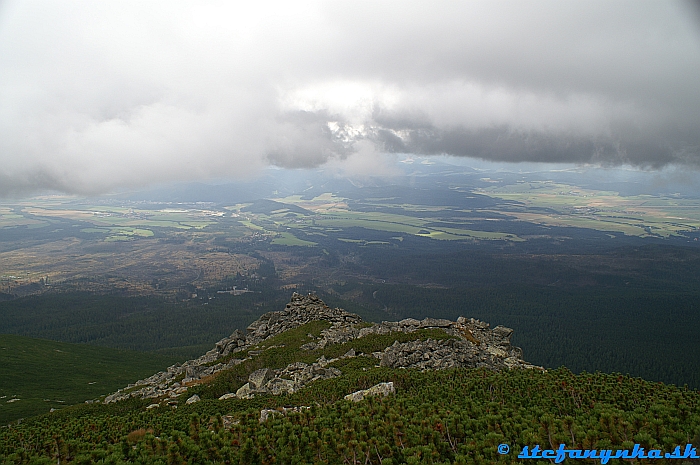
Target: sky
[97,96]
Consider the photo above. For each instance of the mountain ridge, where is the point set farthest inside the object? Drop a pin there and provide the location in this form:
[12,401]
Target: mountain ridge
[296,393]
[466,343]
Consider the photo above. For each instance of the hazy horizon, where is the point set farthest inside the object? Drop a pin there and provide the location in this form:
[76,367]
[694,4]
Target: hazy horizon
[102,96]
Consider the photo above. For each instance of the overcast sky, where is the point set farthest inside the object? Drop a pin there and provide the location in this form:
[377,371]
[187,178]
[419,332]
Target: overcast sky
[108,94]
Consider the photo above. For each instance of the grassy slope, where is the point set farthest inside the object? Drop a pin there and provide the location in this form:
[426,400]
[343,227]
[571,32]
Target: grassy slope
[46,374]
[284,349]
[453,416]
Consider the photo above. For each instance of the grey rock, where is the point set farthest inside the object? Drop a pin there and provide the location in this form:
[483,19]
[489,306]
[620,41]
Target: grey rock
[279,386]
[258,378]
[192,400]
[267,413]
[435,323]
[366,331]
[245,391]
[502,331]
[192,372]
[381,389]
[229,421]
[389,359]
[477,345]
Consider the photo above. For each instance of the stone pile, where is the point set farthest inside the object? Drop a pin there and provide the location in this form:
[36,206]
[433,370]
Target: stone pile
[300,310]
[441,354]
[286,381]
[475,344]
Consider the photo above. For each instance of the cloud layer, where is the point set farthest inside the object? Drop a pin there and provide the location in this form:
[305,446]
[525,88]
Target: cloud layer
[98,95]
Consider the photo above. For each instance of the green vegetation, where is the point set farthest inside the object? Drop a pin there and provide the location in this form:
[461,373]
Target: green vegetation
[540,257]
[187,329]
[102,216]
[640,332]
[284,349]
[286,238]
[452,416]
[567,205]
[64,374]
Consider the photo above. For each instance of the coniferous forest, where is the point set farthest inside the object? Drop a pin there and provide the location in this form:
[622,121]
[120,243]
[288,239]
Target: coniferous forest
[352,233]
[455,416]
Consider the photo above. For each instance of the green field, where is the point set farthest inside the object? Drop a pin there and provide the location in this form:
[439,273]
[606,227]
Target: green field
[333,214]
[286,238]
[542,203]
[119,217]
[42,374]
[10,219]
[639,215]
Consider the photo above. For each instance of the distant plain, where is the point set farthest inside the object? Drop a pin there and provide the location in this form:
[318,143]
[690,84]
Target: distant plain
[586,274]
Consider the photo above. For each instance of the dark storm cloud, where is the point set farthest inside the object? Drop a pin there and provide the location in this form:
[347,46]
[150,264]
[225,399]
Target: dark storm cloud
[97,95]
[694,8]
[31,182]
[505,143]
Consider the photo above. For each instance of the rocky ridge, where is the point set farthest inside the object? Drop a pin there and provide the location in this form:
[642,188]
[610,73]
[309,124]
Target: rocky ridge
[474,344]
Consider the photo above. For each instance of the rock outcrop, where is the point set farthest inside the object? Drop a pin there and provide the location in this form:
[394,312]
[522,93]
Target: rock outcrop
[476,346]
[472,344]
[381,389]
[174,381]
[266,413]
[192,400]
[286,381]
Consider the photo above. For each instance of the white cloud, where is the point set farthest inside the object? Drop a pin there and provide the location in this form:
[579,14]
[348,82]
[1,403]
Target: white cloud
[96,95]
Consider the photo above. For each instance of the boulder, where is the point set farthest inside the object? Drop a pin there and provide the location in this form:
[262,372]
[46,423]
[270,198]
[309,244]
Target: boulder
[259,378]
[193,371]
[277,386]
[366,331]
[267,413]
[245,392]
[497,352]
[435,323]
[388,359]
[381,389]
[192,400]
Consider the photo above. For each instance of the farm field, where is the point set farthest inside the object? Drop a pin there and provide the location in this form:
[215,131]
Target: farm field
[331,214]
[140,247]
[565,205]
